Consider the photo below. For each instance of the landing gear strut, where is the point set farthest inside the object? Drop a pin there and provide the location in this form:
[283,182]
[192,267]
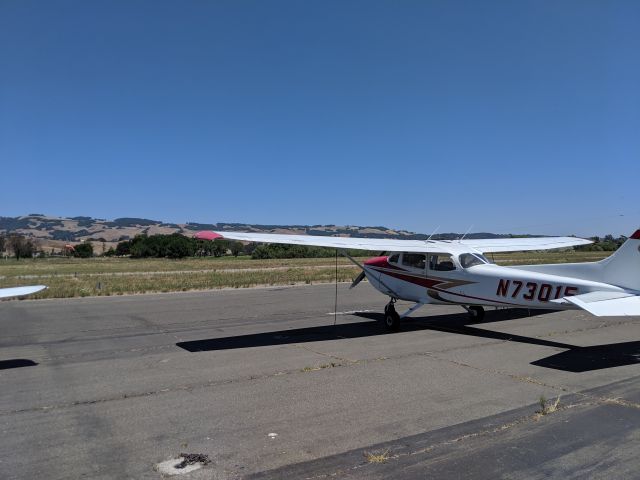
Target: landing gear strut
[391,317]
[476,312]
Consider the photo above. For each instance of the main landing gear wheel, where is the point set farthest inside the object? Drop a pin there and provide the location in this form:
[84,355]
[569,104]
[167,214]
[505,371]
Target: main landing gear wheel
[476,313]
[391,317]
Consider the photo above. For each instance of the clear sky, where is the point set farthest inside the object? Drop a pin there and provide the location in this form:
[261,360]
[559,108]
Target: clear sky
[503,116]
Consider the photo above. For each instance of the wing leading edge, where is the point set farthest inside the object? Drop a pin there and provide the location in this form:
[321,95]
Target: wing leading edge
[393,245]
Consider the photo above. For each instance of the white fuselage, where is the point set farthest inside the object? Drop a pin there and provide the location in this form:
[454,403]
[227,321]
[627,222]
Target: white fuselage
[481,284]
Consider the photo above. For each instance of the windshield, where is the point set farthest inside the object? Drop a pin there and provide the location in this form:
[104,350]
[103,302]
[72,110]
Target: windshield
[471,259]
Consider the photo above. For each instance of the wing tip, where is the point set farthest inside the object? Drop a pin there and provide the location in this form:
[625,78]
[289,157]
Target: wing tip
[636,235]
[207,235]
[17,292]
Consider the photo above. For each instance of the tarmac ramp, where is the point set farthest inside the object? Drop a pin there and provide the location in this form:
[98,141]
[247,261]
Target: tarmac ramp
[263,384]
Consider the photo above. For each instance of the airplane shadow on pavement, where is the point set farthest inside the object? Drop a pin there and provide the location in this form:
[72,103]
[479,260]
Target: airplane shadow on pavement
[573,359]
[16,363]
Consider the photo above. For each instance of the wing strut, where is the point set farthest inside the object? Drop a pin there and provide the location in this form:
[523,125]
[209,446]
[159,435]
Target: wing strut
[360,276]
[411,310]
[335,302]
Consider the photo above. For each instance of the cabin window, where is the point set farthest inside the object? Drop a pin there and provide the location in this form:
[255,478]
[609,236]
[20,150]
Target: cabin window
[414,260]
[441,262]
[394,258]
[471,259]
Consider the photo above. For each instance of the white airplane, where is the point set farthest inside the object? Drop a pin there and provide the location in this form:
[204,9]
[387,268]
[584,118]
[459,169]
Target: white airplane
[456,272]
[20,291]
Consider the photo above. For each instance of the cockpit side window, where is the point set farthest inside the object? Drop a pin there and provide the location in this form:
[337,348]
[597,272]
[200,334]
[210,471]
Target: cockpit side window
[468,260]
[413,260]
[441,262]
[394,258]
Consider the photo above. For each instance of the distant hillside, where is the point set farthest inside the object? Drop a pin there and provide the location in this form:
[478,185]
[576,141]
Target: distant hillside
[56,231]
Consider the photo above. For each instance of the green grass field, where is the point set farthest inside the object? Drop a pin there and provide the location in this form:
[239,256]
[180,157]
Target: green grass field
[72,277]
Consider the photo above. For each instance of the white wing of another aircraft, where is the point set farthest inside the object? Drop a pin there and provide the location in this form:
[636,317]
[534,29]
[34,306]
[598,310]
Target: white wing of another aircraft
[393,245]
[20,291]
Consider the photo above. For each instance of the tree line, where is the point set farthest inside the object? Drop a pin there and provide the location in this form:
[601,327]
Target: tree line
[608,243]
[20,246]
[174,245]
[276,250]
[24,247]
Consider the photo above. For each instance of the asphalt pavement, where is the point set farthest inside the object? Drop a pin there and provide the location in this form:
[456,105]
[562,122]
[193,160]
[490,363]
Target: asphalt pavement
[262,383]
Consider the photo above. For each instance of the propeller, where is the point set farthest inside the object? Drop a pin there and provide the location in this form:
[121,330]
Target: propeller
[361,276]
[357,280]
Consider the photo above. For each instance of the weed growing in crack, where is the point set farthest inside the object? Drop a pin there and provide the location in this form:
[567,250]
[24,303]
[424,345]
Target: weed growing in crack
[377,457]
[547,406]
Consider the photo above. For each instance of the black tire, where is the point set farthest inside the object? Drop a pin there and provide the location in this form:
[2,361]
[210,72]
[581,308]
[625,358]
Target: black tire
[391,319]
[476,313]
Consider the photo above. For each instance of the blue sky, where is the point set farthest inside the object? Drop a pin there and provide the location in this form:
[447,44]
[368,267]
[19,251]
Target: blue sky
[500,115]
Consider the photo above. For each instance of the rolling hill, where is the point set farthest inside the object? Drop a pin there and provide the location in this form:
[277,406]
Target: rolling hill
[55,232]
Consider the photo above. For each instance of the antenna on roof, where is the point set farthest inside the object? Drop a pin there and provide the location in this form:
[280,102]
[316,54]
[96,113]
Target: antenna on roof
[465,233]
[434,232]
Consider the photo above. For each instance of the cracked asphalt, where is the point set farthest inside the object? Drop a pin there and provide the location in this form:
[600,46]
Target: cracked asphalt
[109,387]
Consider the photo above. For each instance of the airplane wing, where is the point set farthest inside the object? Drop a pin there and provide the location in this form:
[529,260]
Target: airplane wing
[605,304]
[375,244]
[20,291]
[393,245]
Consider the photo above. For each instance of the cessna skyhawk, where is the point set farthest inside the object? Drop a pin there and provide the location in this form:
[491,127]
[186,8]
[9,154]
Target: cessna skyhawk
[457,272]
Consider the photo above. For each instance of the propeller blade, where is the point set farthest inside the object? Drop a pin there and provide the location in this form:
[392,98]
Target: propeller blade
[357,280]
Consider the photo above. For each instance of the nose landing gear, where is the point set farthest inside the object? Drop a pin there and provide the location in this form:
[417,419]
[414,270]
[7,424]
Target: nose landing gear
[391,317]
[476,312]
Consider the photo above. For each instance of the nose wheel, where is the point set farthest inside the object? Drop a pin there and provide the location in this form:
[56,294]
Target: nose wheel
[476,313]
[391,317]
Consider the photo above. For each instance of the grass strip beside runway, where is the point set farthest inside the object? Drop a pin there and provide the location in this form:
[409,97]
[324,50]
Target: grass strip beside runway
[72,277]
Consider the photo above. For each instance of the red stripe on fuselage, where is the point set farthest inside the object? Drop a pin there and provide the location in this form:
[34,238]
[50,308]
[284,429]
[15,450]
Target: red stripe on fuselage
[422,281]
[432,283]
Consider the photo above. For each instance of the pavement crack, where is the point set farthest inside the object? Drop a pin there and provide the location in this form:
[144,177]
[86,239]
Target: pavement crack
[189,387]
[587,329]
[341,362]
[519,378]
[618,401]
[328,355]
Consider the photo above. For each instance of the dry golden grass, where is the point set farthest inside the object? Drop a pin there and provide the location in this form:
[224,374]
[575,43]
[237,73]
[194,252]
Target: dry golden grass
[100,265]
[532,258]
[74,277]
[95,284]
